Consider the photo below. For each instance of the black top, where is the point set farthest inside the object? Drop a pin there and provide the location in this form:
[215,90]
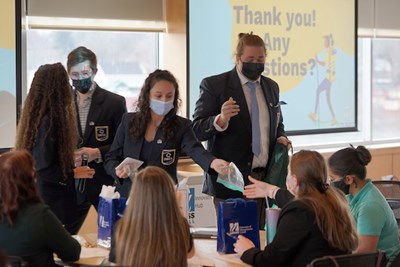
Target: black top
[163,154]
[58,192]
[297,242]
[36,235]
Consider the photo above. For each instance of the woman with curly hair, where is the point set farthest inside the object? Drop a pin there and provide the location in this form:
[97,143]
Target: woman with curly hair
[28,228]
[47,128]
[156,135]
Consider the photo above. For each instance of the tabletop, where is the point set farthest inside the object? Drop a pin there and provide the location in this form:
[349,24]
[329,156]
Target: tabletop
[206,252]
[207,249]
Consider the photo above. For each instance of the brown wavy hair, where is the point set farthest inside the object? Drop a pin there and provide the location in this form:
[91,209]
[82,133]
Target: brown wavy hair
[17,183]
[329,205]
[142,116]
[153,232]
[50,97]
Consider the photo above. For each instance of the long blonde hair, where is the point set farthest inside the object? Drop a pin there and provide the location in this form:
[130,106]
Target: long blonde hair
[50,97]
[153,232]
[329,205]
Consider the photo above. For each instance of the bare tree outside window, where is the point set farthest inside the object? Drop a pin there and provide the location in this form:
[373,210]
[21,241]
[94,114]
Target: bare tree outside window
[124,58]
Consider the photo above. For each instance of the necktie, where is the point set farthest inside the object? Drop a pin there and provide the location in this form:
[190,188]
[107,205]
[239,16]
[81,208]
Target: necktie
[255,121]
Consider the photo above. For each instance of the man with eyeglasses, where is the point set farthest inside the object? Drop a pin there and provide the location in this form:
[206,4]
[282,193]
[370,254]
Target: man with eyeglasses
[99,114]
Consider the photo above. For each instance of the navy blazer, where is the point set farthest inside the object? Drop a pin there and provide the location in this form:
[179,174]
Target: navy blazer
[57,191]
[104,117]
[184,140]
[233,144]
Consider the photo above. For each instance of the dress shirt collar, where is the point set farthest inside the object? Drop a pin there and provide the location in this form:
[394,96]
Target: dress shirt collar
[243,79]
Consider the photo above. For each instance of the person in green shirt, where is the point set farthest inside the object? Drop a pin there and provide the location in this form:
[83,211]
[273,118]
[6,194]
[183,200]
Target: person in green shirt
[376,224]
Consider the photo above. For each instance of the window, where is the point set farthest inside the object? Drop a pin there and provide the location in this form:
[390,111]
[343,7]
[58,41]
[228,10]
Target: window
[385,89]
[124,59]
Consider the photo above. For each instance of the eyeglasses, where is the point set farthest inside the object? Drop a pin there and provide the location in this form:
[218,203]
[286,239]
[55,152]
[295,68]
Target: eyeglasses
[81,75]
[332,179]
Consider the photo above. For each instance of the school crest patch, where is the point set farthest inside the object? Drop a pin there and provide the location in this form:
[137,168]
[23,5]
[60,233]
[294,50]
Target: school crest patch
[101,133]
[168,156]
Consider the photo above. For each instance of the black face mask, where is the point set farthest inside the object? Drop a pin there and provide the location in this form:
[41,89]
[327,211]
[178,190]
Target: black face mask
[252,70]
[341,185]
[83,85]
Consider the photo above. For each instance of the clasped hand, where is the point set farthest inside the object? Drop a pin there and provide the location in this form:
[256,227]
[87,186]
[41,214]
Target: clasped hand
[92,152]
[83,172]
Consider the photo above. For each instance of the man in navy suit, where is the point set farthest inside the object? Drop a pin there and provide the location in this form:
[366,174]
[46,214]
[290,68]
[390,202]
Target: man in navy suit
[224,118]
[99,114]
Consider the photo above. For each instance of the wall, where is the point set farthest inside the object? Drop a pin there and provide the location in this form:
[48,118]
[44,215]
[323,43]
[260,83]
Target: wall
[174,46]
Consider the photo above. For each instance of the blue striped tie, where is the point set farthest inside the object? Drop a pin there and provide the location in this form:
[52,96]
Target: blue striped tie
[255,120]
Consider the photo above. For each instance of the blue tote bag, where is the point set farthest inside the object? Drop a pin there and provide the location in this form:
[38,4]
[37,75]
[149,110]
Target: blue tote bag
[236,217]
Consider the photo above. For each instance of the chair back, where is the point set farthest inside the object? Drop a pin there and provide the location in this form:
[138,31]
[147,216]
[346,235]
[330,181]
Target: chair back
[391,191]
[374,259]
[16,261]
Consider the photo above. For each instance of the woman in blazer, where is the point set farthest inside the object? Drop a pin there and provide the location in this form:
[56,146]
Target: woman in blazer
[47,129]
[316,223]
[156,135]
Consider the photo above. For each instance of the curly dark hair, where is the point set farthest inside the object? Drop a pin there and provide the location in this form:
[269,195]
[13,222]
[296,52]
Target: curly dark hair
[50,97]
[142,117]
[17,183]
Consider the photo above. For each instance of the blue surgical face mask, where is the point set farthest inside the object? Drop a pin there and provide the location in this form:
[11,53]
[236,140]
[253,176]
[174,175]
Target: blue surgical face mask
[161,108]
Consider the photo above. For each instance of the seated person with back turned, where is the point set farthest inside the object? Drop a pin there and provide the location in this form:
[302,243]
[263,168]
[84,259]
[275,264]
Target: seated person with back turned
[156,135]
[316,223]
[375,221]
[28,228]
[153,231]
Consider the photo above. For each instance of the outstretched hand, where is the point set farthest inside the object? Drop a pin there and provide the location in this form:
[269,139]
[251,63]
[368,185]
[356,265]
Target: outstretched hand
[83,172]
[220,166]
[259,189]
[123,173]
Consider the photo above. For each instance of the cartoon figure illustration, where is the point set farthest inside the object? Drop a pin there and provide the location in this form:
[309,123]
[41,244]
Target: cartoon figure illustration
[329,62]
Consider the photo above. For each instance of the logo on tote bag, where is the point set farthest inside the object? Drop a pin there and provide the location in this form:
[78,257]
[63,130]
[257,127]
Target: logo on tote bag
[234,228]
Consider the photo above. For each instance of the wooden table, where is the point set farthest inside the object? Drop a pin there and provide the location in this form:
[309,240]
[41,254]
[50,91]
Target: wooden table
[207,249]
[206,253]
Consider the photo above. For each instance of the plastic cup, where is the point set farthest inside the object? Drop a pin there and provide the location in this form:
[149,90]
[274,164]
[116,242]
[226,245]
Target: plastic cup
[271,221]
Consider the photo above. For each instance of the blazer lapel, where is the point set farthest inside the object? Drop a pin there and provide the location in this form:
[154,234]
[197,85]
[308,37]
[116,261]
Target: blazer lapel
[94,113]
[267,92]
[136,148]
[157,148]
[236,91]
